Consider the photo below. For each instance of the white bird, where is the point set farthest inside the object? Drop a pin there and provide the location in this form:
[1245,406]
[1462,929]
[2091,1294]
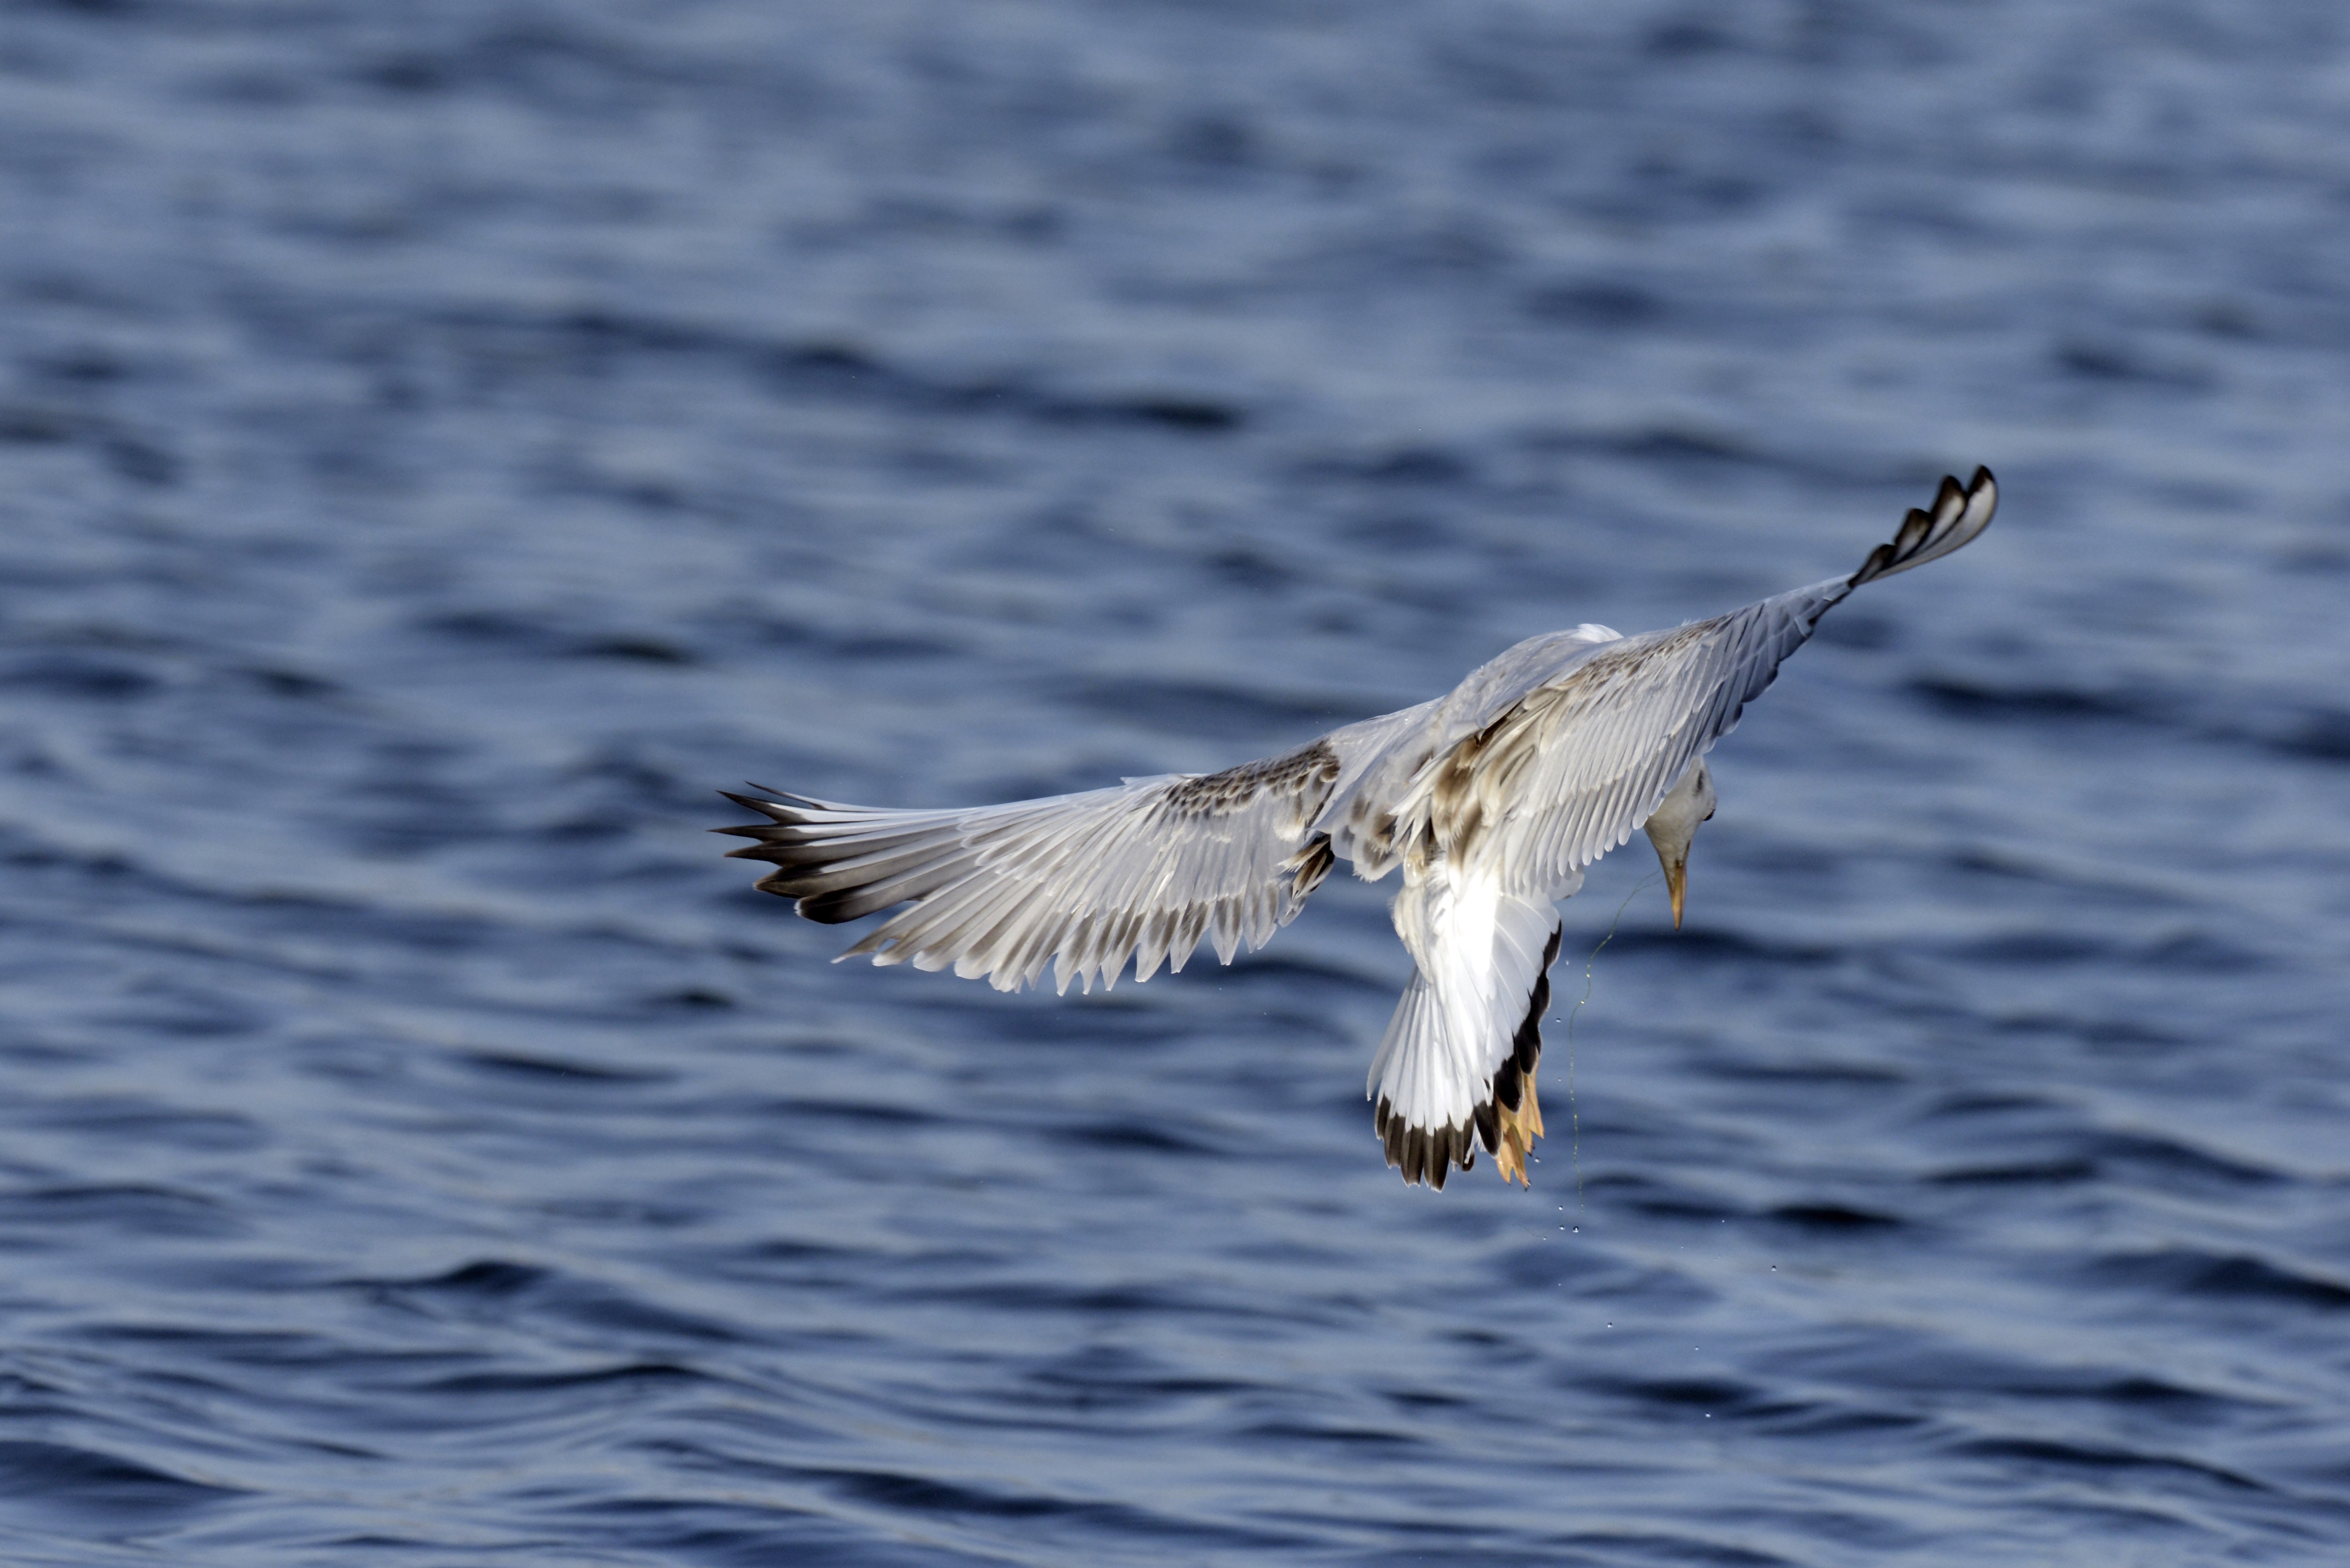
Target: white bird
[1492,800]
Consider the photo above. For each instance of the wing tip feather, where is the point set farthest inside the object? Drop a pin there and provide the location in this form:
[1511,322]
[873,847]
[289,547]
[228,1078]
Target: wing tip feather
[1959,512]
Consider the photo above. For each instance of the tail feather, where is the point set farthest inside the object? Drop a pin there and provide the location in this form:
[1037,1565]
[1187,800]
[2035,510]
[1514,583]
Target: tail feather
[1456,1068]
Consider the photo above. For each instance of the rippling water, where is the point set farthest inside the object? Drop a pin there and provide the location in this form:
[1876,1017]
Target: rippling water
[441,446]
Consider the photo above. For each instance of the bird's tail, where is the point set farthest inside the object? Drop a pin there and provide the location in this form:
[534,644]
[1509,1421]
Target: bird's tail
[1457,1067]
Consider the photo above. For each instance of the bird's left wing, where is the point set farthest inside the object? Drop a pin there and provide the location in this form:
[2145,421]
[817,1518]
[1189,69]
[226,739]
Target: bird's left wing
[1563,758]
[1078,882]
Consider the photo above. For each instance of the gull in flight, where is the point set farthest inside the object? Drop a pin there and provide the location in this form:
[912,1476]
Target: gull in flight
[1491,800]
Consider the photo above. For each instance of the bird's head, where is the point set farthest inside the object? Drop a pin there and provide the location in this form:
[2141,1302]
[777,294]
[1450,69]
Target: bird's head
[1674,823]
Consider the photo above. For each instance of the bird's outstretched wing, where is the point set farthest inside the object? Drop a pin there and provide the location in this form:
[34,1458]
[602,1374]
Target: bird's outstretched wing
[1538,764]
[1563,758]
[1078,882]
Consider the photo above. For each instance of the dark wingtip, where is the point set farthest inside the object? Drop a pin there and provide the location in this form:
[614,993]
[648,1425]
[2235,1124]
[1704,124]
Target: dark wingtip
[1959,513]
[826,908]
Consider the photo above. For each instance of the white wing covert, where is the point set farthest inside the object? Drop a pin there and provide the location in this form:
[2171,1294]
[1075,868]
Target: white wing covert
[1568,772]
[1562,764]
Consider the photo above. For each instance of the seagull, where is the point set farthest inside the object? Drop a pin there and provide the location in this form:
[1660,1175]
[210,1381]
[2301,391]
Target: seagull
[1491,799]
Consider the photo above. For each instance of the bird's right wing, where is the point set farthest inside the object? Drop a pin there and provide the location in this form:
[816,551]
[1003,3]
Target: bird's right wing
[1563,759]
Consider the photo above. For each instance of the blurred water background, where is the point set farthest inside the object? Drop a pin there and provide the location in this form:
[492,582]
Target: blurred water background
[441,444]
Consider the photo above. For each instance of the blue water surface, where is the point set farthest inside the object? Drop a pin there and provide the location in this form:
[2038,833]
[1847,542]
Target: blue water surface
[442,444]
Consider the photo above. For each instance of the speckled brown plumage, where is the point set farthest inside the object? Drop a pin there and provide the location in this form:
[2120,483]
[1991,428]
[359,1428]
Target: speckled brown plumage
[1298,774]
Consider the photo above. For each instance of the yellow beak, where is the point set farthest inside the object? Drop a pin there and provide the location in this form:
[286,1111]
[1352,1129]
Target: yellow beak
[1676,884]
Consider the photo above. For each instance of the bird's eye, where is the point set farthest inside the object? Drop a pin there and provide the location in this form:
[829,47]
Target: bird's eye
[1709,813]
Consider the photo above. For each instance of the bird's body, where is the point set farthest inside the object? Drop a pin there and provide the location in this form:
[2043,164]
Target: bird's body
[1491,800]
